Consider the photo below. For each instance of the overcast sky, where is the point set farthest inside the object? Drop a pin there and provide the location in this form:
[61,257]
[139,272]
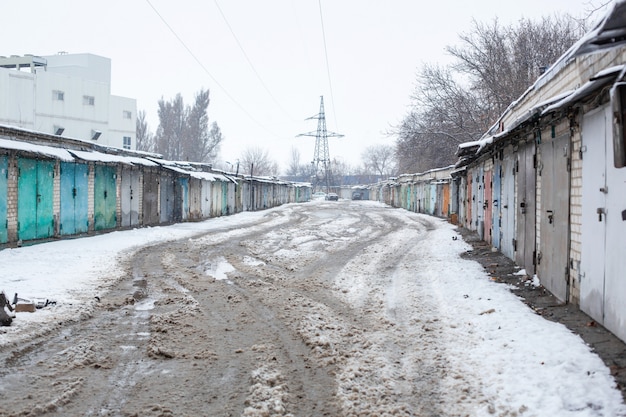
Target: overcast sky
[264,61]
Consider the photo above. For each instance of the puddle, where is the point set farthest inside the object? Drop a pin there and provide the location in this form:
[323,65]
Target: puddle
[218,268]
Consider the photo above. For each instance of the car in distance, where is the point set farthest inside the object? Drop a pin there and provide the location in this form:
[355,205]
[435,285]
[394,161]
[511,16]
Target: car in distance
[332,197]
[356,195]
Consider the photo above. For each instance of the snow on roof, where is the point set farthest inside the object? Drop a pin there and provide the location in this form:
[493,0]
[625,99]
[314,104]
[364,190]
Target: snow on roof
[208,176]
[609,32]
[201,175]
[50,151]
[105,157]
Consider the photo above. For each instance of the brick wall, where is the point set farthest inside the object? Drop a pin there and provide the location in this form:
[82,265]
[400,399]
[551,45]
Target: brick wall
[576,195]
[12,198]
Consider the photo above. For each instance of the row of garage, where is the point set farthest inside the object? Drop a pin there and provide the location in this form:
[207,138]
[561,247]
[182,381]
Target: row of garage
[72,188]
[546,185]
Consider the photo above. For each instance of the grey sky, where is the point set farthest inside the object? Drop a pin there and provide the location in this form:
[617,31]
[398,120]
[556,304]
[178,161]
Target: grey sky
[374,49]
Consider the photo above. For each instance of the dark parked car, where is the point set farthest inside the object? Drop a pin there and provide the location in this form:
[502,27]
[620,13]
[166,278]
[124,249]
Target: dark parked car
[356,195]
[332,197]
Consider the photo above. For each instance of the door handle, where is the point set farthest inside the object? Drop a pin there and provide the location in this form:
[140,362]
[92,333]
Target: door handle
[600,211]
[550,216]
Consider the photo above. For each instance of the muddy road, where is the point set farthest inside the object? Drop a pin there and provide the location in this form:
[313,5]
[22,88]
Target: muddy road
[314,310]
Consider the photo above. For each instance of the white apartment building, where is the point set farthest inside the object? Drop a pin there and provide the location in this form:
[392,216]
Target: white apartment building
[67,95]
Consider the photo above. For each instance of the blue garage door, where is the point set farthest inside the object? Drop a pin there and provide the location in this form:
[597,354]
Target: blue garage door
[74,198]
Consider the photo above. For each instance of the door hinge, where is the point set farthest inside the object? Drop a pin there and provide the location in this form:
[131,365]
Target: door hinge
[515,244]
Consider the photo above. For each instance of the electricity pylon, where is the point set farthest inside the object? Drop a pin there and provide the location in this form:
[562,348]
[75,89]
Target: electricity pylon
[321,157]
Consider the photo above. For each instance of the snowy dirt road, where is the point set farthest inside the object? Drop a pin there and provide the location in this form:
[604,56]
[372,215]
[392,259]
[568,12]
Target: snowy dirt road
[321,309]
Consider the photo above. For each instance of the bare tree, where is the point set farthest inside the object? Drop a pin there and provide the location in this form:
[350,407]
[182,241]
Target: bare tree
[145,139]
[493,66]
[298,171]
[502,62]
[257,161]
[380,160]
[339,169]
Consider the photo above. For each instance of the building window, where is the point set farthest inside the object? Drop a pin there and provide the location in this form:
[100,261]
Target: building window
[89,100]
[127,114]
[58,95]
[126,142]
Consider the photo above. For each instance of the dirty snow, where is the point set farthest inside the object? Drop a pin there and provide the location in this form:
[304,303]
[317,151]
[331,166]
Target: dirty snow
[495,345]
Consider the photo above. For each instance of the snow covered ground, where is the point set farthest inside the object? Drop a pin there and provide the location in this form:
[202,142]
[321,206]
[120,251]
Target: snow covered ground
[495,344]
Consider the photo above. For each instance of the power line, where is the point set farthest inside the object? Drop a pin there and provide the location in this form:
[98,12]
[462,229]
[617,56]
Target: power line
[330,84]
[206,70]
[250,62]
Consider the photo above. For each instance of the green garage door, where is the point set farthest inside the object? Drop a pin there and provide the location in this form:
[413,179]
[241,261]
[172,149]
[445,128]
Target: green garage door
[105,197]
[34,199]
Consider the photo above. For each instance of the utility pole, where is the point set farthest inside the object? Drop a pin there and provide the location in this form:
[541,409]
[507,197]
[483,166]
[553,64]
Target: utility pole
[321,157]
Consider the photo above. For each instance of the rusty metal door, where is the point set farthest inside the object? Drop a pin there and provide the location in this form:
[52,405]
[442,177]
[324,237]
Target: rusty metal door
[35,217]
[478,194]
[150,204]
[507,206]
[195,198]
[525,231]
[496,219]
[445,201]
[552,258]
[487,207]
[167,198]
[4,175]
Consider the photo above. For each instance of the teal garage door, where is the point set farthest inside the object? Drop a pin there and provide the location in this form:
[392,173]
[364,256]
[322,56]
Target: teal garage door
[35,218]
[105,197]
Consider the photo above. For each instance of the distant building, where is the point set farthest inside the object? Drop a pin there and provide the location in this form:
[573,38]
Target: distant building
[67,95]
